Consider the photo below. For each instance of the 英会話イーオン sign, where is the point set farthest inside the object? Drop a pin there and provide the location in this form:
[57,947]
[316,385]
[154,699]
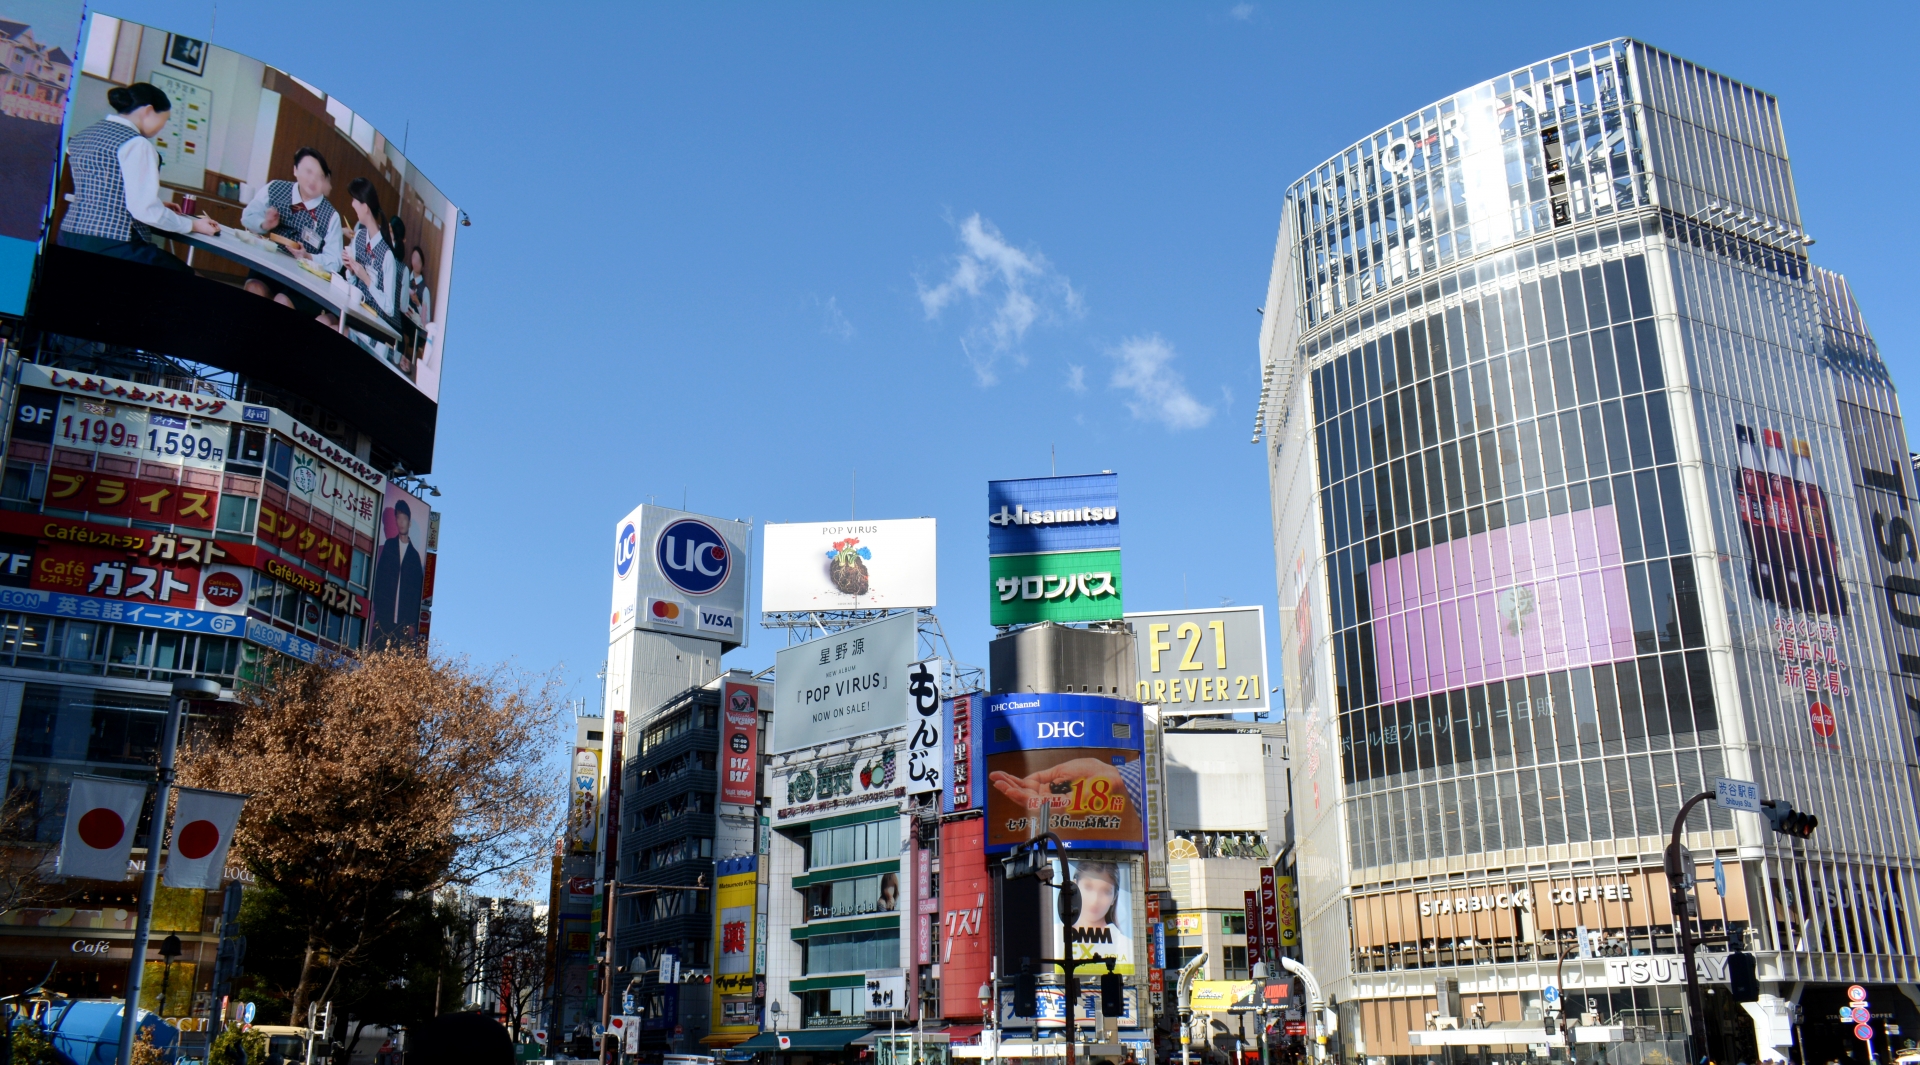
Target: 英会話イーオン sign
[1054,547]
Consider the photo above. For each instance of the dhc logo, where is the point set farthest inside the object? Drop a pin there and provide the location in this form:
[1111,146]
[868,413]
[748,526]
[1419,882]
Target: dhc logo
[625,547]
[1063,730]
[693,557]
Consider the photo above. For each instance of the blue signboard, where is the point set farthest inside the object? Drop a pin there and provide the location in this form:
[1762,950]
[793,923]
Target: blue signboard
[1042,514]
[282,641]
[1081,755]
[90,608]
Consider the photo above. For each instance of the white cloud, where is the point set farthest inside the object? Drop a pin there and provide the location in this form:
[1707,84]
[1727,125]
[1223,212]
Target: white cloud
[1242,11]
[1007,289]
[1159,391]
[1076,377]
[833,322]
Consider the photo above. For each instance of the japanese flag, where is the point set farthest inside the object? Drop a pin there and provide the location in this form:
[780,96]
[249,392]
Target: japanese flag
[202,827]
[102,813]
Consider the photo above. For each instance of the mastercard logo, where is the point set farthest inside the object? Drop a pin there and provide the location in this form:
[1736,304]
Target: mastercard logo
[666,611]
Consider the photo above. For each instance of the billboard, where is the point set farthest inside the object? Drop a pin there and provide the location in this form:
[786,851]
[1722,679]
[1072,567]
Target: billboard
[1105,926]
[40,39]
[583,801]
[735,892]
[855,565]
[1536,596]
[1054,547]
[872,773]
[400,567]
[740,742]
[1216,780]
[243,218]
[680,573]
[1196,657]
[853,682]
[191,468]
[1082,755]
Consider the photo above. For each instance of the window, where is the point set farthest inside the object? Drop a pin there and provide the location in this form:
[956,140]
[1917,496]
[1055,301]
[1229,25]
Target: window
[853,952]
[678,724]
[1235,959]
[847,844]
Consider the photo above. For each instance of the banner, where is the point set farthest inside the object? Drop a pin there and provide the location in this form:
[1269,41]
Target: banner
[102,813]
[1289,914]
[740,742]
[583,806]
[1269,908]
[202,829]
[736,888]
[1256,946]
[400,568]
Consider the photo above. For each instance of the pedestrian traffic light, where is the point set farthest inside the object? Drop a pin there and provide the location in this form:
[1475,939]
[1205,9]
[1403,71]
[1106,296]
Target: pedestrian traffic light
[1787,821]
[1112,996]
[1026,996]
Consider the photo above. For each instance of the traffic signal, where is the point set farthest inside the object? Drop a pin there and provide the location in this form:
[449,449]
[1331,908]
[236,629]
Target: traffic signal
[1067,904]
[1112,996]
[1026,995]
[1787,821]
[1742,978]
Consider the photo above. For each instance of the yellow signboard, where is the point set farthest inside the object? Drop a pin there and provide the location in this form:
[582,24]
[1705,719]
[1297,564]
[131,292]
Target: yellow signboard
[734,1018]
[1220,996]
[1289,913]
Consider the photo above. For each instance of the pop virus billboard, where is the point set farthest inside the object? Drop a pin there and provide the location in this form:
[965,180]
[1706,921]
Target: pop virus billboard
[680,573]
[852,565]
[1054,549]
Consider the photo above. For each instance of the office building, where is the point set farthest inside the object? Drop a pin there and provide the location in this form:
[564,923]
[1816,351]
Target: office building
[1589,487]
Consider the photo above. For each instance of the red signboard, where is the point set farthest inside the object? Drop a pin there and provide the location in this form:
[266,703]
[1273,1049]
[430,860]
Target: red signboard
[120,496]
[1296,1028]
[141,566]
[1256,949]
[1824,724]
[1269,908]
[965,936]
[740,742]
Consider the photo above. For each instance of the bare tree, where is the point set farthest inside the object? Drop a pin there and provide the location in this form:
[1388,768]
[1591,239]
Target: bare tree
[28,877]
[374,781]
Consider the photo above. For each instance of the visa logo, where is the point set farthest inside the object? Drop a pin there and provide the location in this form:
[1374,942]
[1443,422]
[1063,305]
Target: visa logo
[717,621]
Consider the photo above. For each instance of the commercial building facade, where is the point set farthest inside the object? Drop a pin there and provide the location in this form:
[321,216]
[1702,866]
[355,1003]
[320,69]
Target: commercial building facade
[1588,488]
[198,477]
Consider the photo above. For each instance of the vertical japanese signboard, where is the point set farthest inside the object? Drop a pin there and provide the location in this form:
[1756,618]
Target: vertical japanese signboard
[740,742]
[1289,912]
[735,892]
[925,751]
[1255,947]
[1269,907]
[962,790]
[1054,547]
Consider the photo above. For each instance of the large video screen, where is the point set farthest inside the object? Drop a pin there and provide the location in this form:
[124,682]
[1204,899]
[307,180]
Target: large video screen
[195,160]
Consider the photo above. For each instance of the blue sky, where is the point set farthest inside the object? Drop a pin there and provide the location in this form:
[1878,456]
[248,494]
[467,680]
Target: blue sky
[745,254]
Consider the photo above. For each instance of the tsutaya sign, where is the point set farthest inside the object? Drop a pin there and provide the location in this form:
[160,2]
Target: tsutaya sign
[1506,898]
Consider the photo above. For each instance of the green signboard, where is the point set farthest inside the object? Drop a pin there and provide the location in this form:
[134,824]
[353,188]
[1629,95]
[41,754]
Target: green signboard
[1062,586]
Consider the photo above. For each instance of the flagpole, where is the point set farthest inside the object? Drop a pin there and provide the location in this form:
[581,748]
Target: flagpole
[184,689]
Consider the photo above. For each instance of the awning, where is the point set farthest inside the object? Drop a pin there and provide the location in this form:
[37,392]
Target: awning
[928,1036]
[804,1040]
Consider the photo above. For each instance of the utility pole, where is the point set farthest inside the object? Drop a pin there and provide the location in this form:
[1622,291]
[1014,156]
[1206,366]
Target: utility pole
[184,690]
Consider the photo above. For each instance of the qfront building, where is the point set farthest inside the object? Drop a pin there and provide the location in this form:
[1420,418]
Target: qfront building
[1589,488]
